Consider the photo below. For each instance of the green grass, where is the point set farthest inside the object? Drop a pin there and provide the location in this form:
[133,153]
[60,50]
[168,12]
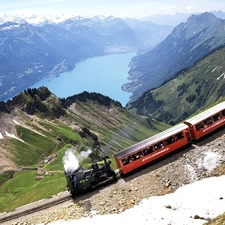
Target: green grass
[193,89]
[114,133]
[25,188]
[63,131]
[33,149]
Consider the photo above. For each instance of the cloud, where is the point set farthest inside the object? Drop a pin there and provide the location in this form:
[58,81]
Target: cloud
[110,7]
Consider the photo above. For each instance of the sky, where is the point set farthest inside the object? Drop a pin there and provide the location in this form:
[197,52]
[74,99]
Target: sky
[119,8]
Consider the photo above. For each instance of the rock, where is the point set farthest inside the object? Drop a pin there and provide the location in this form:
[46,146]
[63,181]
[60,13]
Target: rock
[167,184]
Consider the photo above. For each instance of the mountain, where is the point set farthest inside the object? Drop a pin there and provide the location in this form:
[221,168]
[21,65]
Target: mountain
[177,18]
[191,90]
[36,124]
[168,19]
[30,53]
[115,32]
[187,43]
[112,33]
[148,32]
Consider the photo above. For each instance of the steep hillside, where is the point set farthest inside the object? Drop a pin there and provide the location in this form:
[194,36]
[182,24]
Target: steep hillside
[190,91]
[148,32]
[188,43]
[36,124]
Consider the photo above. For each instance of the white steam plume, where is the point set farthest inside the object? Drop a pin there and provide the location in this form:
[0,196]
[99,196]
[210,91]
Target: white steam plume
[71,161]
[85,154]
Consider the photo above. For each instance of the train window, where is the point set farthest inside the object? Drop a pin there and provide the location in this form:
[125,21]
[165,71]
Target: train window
[179,136]
[199,126]
[217,117]
[148,150]
[169,140]
[137,155]
[223,112]
[208,121]
[159,145]
[126,160]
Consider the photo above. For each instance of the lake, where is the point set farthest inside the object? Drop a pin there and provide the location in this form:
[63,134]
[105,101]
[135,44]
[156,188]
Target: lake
[104,75]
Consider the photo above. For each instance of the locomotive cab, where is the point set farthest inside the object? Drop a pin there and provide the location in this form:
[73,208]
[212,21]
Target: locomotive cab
[82,180]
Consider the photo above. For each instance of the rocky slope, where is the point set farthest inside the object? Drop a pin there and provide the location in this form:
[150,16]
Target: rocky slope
[203,159]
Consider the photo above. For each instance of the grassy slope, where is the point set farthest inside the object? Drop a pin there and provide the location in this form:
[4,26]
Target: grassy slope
[192,89]
[25,187]
[115,128]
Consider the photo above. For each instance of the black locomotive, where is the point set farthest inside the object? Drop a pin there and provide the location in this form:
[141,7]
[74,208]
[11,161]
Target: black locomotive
[83,180]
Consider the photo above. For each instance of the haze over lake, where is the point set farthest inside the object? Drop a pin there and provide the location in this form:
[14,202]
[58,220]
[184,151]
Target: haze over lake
[105,75]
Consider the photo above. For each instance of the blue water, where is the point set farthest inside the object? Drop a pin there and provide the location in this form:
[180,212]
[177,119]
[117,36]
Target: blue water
[104,75]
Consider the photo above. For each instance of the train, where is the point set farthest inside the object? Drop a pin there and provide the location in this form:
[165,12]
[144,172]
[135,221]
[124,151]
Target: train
[83,180]
[154,147]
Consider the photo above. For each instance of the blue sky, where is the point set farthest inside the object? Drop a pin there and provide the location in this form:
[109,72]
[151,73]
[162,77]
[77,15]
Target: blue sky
[108,7]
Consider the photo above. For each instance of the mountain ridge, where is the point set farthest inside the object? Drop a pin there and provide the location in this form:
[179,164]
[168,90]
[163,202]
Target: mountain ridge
[45,123]
[187,43]
[191,90]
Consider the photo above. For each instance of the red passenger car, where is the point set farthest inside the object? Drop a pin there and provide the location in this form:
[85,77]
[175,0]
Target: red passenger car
[207,121]
[152,148]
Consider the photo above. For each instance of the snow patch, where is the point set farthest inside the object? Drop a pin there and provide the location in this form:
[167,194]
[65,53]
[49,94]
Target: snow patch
[10,27]
[16,122]
[1,136]
[192,172]
[13,136]
[191,204]
[210,161]
[223,74]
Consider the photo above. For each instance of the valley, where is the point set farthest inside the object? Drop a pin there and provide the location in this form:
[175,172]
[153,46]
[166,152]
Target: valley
[176,73]
[35,52]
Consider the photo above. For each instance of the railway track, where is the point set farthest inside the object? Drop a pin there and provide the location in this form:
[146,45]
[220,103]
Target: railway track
[5,217]
[18,213]
[44,204]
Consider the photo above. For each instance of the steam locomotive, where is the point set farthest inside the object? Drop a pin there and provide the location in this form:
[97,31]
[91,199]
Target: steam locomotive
[84,180]
[152,148]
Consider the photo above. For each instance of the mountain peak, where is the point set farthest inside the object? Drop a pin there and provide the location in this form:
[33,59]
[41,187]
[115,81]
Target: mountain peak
[197,24]
[205,18]
[188,43]
[9,25]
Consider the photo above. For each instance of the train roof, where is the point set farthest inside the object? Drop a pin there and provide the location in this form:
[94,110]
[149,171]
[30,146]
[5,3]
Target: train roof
[151,140]
[209,112]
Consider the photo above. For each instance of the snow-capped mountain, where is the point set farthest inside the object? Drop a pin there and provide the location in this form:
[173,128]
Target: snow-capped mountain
[37,46]
[34,19]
